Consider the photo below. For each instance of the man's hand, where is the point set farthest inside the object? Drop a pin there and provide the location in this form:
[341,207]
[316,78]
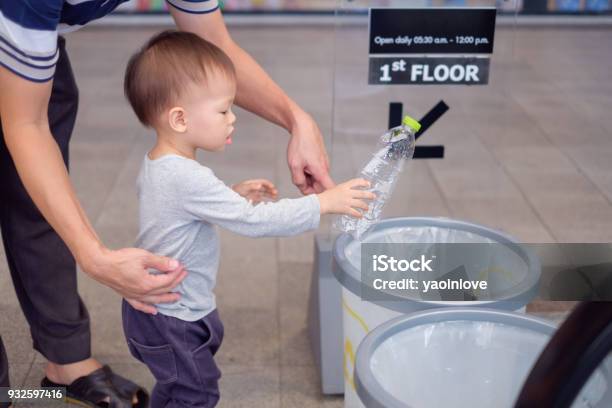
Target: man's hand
[307,157]
[126,271]
[256,190]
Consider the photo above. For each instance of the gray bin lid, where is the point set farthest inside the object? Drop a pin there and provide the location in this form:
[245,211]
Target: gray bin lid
[349,275]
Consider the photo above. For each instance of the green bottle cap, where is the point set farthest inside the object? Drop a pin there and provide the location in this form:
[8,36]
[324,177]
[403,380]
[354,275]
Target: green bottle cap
[411,123]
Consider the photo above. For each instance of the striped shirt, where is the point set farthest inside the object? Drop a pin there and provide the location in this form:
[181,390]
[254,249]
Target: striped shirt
[29,29]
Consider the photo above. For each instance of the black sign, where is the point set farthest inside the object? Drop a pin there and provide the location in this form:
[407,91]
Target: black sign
[432,31]
[429,71]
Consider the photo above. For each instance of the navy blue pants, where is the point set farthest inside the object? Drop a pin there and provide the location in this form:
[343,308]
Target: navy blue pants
[179,355]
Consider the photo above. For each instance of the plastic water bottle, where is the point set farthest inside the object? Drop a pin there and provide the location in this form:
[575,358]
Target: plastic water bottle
[382,171]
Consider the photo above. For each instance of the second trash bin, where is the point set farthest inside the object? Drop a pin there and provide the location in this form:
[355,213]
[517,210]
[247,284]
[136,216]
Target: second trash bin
[511,290]
[459,357]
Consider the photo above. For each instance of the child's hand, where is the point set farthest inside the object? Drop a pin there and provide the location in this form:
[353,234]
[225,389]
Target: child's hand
[345,199]
[256,190]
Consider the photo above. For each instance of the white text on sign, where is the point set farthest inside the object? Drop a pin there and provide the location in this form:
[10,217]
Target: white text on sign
[422,70]
[437,73]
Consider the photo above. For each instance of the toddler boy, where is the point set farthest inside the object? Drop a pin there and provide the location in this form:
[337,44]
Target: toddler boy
[183,87]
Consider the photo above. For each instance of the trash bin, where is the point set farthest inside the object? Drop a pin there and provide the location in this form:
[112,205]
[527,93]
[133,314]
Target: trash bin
[361,316]
[458,357]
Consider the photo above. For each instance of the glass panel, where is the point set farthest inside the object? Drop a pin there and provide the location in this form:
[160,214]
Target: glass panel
[468,179]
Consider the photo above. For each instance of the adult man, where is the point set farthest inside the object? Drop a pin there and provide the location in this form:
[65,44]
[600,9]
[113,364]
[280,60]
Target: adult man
[43,226]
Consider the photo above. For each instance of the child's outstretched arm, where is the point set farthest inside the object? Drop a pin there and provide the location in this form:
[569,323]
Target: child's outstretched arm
[207,198]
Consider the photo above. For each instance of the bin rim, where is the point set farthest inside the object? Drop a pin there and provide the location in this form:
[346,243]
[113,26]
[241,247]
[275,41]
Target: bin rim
[511,299]
[372,393]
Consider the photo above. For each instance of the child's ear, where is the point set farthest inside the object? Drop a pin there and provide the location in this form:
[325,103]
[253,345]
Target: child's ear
[177,119]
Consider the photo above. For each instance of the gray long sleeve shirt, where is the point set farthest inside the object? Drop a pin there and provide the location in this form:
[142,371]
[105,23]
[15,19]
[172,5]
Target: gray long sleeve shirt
[181,201]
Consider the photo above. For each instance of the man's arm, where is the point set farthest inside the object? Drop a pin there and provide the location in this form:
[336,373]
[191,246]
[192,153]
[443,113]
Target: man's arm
[23,109]
[259,94]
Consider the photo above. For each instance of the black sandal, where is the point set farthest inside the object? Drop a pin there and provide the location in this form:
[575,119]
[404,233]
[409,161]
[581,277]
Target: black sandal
[91,390]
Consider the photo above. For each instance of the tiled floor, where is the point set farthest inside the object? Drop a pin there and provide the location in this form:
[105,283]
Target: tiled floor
[528,154]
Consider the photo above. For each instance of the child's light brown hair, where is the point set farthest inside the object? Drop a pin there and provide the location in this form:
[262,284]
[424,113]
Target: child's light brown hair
[158,74]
